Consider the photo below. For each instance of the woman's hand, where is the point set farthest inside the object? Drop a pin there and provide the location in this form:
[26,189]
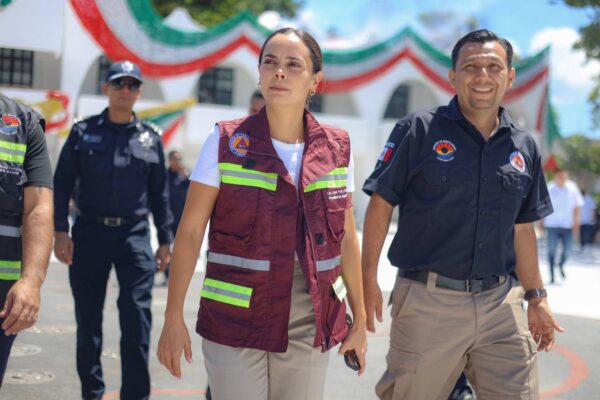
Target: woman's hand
[357,341]
[174,340]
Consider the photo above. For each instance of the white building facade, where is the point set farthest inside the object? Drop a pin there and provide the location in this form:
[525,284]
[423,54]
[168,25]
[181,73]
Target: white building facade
[66,45]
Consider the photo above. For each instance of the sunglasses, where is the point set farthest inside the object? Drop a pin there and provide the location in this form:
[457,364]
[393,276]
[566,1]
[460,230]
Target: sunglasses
[120,83]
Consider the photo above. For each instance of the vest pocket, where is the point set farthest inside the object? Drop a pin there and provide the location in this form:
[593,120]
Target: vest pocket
[11,197]
[335,209]
[334,308]
[235,213]
[225,307]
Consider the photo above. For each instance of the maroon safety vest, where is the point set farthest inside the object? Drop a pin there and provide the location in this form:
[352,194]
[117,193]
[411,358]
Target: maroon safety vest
[260,220]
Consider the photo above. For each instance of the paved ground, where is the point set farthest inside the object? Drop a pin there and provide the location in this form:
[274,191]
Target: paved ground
[42,364]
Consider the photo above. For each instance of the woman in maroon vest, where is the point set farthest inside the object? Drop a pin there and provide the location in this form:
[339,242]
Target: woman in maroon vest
[283,251]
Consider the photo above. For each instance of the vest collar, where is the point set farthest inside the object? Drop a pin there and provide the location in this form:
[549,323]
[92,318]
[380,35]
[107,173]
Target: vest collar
[321,153]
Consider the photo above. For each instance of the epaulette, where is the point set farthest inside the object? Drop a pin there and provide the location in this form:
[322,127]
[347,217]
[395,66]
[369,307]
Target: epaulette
[153,127]
[82,119]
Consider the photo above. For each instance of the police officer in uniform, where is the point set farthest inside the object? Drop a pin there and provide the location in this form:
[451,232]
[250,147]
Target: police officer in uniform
[118,161]
[469,185]
[25,220]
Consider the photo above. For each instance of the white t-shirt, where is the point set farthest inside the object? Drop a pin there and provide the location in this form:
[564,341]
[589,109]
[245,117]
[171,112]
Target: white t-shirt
[206,170]
[564,201]
[588,210]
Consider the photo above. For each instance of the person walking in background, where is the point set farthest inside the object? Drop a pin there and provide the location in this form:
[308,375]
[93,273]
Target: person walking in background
[119,163]
[564,222]
[257,101]
[26,225]
[179,181]
[469,185]
[588,221]
[283,251]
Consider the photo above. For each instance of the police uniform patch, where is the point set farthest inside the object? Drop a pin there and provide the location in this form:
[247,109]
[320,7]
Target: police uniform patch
[90,138]
[9,124]
[517,161]
[388,149]
[146,140]
[444,150]
[239,143]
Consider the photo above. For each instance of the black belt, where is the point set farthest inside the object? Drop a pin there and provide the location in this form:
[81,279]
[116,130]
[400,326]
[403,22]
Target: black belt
[113,222]
[469,285]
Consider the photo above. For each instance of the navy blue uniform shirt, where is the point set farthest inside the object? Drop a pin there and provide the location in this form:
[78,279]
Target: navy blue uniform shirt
[121,173]
[178,187]
[459,196]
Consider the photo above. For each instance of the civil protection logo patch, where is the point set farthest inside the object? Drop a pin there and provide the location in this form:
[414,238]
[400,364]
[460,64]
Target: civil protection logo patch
[517,161]
[444,150]
[239,143]
[9,124]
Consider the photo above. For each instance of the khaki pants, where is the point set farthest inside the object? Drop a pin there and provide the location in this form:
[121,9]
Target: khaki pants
[438,333]
[298,374]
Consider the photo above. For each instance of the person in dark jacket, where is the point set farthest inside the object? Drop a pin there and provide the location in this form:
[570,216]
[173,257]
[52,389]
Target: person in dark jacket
[119,163]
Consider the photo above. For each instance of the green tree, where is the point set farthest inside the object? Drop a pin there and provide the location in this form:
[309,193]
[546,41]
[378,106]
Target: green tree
[581,154]
[213,12]
[590,44]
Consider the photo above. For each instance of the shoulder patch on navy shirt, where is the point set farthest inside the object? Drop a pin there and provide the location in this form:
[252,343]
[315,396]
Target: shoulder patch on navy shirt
[388,149]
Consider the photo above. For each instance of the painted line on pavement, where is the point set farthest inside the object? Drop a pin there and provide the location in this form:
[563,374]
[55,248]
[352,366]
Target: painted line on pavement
[578,372]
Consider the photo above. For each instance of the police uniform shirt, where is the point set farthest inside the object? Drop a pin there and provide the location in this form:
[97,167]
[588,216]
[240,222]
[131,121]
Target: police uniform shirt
[120,170]
[37,170]
[458,195]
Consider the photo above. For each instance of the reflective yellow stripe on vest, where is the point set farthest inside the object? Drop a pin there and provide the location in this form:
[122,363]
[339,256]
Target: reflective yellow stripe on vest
[339,287]
[12,152]
[235,174]
[10,270]
[336,178]
[226,293]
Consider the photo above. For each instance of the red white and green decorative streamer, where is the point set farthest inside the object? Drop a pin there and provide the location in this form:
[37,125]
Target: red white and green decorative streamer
[131,29]
[169,117]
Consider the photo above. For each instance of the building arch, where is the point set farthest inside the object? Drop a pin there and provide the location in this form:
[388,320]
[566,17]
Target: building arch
[410,96]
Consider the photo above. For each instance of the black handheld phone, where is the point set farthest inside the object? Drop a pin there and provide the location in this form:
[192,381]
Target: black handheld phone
[351,360]
[350,357]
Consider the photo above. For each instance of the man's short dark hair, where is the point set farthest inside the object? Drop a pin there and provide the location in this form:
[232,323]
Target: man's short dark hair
[257,94]
[172,154]
[482,36]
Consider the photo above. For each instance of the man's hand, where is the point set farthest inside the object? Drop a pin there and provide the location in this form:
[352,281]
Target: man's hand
[542,323]
[373,302]
[63,247]
[21,307]
[163,257]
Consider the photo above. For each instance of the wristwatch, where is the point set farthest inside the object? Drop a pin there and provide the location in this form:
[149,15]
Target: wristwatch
[535,293]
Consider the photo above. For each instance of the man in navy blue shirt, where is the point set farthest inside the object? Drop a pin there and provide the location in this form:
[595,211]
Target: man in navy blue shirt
[118,161]
[469,184]
[179,182]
